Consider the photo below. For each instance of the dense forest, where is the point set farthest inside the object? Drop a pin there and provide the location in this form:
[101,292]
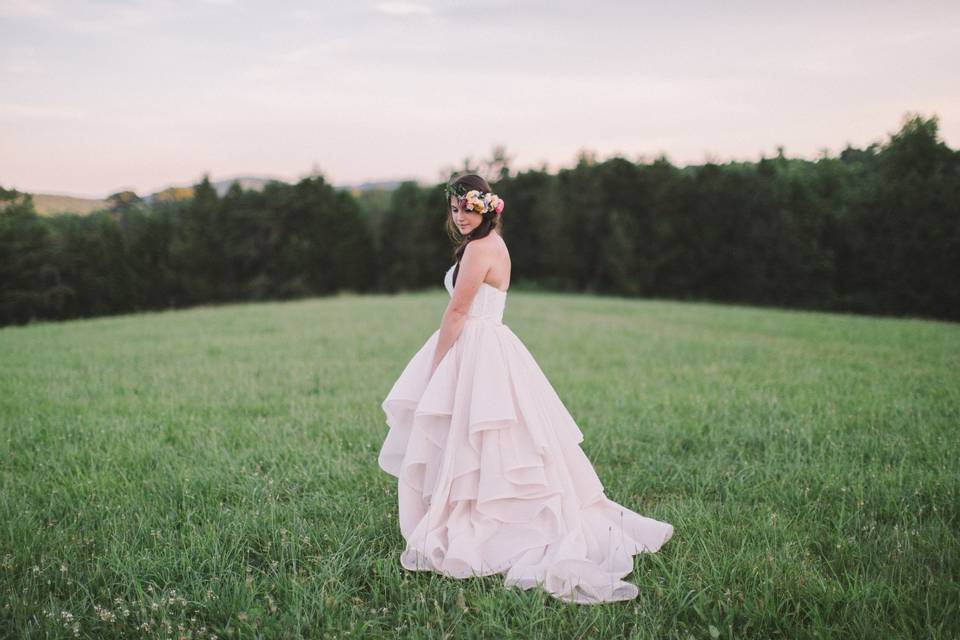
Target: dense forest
[873,230]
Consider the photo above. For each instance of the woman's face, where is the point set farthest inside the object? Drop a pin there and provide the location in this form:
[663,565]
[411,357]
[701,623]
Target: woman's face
[466,221]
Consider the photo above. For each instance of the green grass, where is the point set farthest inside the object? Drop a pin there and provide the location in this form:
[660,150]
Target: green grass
[216,468]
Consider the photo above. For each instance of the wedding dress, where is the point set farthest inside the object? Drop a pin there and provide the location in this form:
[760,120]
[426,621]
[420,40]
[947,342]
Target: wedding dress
[491,476]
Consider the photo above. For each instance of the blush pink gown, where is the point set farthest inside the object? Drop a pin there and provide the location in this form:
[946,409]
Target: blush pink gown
[490,474]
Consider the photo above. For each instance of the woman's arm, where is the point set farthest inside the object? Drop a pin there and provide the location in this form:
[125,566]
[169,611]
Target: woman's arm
[476,261]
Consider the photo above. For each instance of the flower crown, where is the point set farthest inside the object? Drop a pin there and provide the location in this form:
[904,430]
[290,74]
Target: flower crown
[473,200]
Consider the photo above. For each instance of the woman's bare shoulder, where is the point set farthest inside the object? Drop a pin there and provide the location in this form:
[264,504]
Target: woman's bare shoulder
[491,247]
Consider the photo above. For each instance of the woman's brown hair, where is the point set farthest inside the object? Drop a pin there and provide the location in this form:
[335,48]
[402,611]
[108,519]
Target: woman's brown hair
[489,223]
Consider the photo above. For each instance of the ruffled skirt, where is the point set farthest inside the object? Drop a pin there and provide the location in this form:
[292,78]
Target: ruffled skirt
[492,479]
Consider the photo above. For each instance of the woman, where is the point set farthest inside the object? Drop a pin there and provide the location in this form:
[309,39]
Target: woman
[491,476]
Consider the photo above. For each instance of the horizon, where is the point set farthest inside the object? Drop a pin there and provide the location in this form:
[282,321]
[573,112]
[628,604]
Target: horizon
[230,88]
[637,158]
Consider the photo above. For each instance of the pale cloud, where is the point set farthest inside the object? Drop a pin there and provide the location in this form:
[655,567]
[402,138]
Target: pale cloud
[21,61]
[119,19]
[10,111]
[95,18]
[315,50]
[403,8]
[26,8]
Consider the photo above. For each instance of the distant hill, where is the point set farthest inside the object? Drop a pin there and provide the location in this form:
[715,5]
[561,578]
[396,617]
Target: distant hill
[248,183]
[384,185]
[50,204]
[47,204]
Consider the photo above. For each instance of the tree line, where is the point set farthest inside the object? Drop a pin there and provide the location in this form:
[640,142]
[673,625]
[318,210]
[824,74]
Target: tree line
[873,230]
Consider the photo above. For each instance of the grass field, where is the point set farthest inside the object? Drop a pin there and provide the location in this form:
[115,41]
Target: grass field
[214,471]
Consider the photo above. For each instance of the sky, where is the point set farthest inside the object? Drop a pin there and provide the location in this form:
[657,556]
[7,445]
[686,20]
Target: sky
[98,97]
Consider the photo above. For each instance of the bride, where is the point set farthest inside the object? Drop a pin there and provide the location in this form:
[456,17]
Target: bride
[491,478]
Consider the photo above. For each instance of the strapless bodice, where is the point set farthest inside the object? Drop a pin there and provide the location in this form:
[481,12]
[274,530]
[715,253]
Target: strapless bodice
[489,302]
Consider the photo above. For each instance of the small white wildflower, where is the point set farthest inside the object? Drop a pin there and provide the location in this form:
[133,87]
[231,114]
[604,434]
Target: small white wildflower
[105,614]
